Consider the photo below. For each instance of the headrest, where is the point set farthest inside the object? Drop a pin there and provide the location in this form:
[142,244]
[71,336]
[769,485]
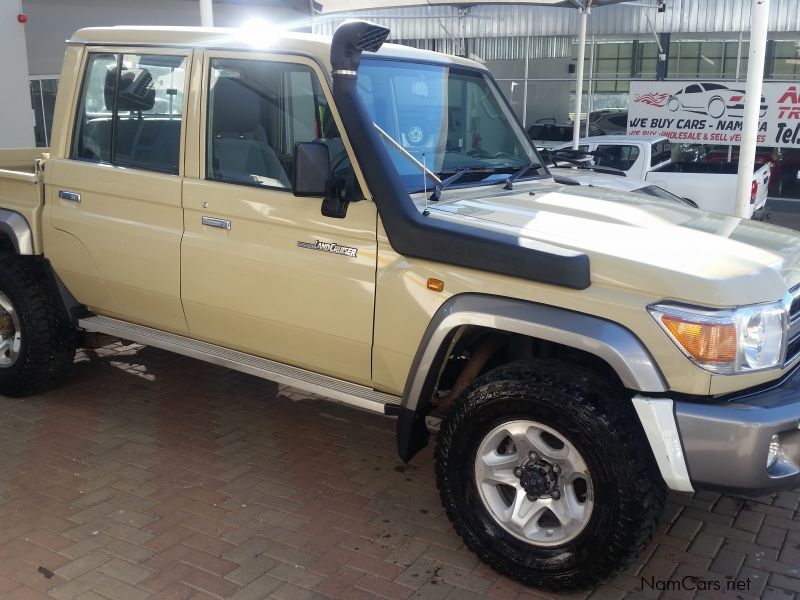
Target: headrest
[237,108]
[136,89]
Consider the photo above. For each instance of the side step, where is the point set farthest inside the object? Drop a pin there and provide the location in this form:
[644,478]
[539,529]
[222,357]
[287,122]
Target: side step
[336,389]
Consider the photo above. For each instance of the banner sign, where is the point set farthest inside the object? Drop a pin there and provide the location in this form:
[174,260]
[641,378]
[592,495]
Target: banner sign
[712,112]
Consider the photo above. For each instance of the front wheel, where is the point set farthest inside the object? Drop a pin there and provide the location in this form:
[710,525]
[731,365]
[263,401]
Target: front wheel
[546,475]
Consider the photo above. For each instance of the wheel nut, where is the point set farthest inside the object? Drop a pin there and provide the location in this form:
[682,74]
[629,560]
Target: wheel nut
[556,469]
[555,495]
[533,456]
[518,471]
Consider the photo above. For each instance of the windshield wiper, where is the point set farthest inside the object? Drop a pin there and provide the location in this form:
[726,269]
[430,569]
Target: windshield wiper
[446,183]
[514,176]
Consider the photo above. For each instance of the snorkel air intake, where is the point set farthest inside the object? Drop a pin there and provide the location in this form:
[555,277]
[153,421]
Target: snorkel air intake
[409,232]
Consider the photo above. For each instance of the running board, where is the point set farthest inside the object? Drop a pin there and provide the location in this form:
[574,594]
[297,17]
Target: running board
[336,389]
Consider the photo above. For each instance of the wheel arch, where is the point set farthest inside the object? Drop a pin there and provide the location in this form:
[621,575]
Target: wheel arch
[610,343]
[15,233]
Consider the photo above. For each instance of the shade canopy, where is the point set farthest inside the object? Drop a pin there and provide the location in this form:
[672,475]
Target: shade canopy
[338,6]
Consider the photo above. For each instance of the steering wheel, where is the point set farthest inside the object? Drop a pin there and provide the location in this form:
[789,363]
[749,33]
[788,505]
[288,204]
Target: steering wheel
[503,155]
[478,153]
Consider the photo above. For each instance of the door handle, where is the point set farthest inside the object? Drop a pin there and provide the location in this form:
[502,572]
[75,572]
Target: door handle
[70,196]
[215,222]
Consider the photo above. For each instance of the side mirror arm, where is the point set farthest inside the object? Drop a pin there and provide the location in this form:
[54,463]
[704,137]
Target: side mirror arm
[335,203]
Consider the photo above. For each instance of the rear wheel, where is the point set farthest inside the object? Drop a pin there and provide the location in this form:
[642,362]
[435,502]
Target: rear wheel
[36,340]
[545,473]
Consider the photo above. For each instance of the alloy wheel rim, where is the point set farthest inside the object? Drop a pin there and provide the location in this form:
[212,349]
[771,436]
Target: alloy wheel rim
[534,483]
[10,333]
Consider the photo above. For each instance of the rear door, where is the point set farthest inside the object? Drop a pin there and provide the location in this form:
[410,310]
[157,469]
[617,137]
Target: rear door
[263,271]
[114,219]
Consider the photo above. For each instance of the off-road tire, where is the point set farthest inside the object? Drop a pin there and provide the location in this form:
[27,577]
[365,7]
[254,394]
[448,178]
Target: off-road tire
[598,418]
[47,346]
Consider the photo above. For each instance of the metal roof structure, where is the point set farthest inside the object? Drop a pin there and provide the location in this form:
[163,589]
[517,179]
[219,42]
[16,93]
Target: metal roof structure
[337,6]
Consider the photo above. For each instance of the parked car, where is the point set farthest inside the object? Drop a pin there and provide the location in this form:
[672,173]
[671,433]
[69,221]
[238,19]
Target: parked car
[712,186]
[784,166]
[587,348]
[548,134]
[713,99]
[581,172]
[610,121]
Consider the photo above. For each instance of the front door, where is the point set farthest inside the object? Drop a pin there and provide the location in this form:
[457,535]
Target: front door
[113,219]
[258,270]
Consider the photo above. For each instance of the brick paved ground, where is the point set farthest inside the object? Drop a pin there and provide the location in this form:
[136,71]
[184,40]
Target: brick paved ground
[154,476]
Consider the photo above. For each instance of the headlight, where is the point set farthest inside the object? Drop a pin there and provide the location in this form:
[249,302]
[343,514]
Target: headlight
[731,341]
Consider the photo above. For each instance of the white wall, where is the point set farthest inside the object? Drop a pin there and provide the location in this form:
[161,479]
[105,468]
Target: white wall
[16,116]
[51,22]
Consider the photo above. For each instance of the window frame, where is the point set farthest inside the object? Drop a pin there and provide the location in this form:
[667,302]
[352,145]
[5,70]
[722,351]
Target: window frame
[77,107]
[280,58]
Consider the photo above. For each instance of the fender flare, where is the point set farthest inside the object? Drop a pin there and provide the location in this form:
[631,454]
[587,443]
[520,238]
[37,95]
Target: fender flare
[611,342]
[16,227]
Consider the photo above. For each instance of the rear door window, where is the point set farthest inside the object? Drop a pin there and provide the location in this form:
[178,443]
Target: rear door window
[131,111]
[617,156]
[660,152]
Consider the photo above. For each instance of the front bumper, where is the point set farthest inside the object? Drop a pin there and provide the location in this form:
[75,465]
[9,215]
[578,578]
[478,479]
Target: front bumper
[726,443]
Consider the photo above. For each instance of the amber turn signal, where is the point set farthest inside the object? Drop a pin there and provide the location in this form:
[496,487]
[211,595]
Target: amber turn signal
[435,285]
[707,342]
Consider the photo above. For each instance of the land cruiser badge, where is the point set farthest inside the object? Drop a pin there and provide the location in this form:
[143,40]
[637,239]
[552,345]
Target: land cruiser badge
[329,247]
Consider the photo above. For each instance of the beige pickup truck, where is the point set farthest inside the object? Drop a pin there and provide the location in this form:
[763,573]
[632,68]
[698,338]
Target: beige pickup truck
[370,222]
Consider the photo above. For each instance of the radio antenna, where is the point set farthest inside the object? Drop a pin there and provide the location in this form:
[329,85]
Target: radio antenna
[425,212]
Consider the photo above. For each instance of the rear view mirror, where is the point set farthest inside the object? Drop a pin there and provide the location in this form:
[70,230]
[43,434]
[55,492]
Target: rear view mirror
[312,169]
[312,177]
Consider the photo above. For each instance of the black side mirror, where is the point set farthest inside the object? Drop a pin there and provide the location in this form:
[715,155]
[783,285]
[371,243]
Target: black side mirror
[312,177]
[312,169]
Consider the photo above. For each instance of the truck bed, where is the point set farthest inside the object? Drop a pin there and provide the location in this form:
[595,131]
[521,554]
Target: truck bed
[718,168]
[712,186]
[20,191]
[22,160]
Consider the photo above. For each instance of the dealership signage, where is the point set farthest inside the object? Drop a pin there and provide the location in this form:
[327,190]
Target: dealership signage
[712,112]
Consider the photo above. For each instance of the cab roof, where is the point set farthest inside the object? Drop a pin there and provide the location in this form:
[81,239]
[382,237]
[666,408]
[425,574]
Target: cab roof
[252,38]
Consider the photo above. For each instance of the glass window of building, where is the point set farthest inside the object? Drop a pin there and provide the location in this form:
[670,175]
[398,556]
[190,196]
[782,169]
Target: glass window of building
[786,61]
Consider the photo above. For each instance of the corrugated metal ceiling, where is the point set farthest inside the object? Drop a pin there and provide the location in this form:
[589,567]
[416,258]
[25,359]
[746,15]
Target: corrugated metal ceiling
[486,21]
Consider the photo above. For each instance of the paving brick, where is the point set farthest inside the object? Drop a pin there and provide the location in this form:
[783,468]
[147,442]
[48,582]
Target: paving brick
[686,528]
[296,575]
[257,589]
[127,572]
[291,592]
[83,564]
[772,593]
[749,520]
[251,569]
[727,562]
[785,583]
[706,544]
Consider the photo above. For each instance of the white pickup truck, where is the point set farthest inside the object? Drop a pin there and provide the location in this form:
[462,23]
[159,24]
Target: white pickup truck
[712,186]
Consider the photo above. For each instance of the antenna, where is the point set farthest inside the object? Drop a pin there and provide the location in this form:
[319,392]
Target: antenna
[425,212]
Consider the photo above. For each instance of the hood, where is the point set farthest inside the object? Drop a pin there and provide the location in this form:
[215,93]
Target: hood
[659,247]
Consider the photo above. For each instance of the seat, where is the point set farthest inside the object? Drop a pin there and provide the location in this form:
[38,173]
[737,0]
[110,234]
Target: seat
[240,151]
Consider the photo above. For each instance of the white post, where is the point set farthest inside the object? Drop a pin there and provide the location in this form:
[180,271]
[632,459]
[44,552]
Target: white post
[206,13]
[576,128]
[752,105]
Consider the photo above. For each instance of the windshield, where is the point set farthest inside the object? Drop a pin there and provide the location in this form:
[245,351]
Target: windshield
[444,119]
